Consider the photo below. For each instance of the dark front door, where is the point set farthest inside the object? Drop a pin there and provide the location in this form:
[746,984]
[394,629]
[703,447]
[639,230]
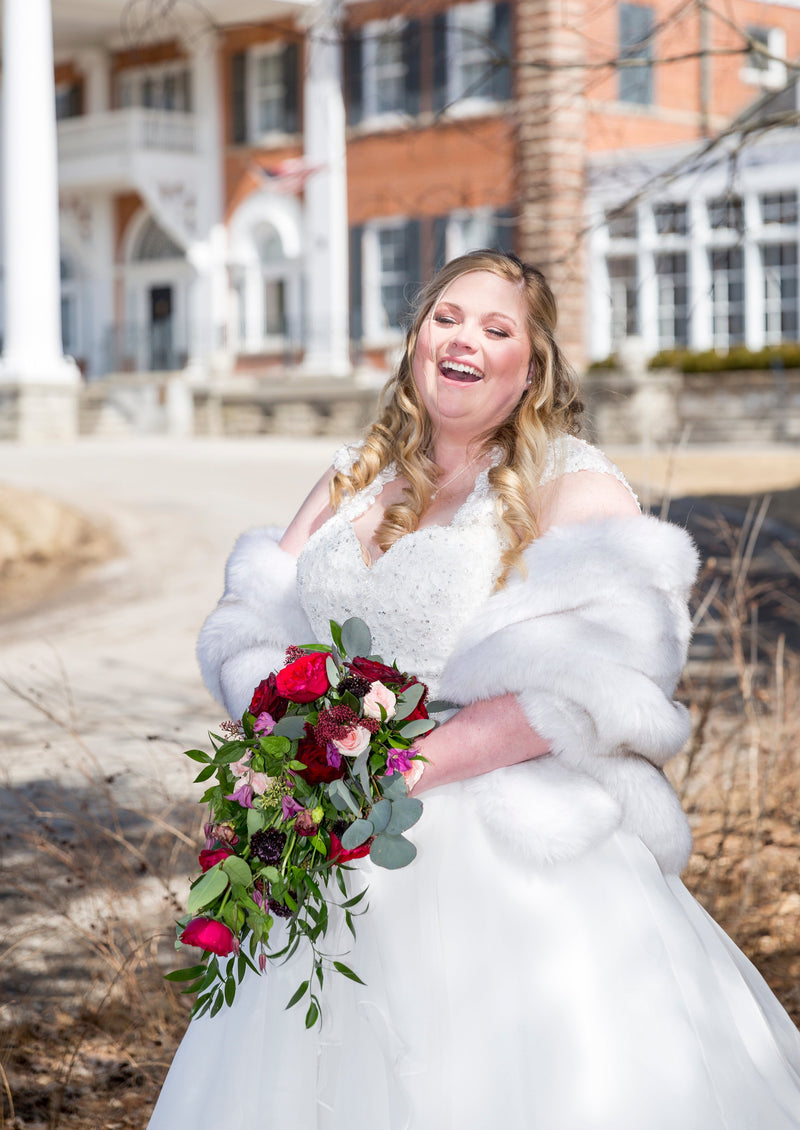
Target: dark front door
[162,352]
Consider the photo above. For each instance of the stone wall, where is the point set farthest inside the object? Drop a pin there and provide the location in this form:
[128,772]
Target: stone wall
[747,407]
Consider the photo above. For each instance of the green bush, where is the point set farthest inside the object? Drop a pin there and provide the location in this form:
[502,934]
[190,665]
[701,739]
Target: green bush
[783,356]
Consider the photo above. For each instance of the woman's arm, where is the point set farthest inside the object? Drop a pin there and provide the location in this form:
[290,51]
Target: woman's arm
[495,733]
[312,514]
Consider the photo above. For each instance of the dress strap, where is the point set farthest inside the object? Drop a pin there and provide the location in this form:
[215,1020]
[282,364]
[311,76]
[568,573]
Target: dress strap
[357,504]
[568,454]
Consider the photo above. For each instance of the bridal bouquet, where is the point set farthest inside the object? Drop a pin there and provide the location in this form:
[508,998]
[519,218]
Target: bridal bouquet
[311,778]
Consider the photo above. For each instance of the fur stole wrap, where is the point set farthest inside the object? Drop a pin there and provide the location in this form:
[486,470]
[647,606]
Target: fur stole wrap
[592,642]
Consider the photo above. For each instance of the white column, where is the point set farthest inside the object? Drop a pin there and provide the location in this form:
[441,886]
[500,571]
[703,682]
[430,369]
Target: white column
[94,63]
[326,249]
[33,358]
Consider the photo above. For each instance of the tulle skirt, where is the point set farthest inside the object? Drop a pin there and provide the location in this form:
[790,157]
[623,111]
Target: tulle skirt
[589,995]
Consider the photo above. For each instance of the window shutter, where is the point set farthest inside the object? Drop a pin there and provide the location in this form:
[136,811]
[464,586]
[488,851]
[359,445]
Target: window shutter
[291,92]
[635,26]
[356,282]
[439,61]
[239,97]
[504,229]
[501,28]
[353,71]
[413,267]
[411,55]
[439,242]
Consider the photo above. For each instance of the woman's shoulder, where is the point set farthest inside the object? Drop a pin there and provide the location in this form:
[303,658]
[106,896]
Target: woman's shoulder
[569,455]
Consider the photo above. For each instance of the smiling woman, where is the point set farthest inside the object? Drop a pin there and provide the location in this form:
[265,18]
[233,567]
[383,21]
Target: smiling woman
[540,964]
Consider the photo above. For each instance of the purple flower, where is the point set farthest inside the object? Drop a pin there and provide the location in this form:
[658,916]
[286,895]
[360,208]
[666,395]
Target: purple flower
[259,899]
[290,807]
[334,757]
[399,760]
[242,796]
[262,961]
[264,724]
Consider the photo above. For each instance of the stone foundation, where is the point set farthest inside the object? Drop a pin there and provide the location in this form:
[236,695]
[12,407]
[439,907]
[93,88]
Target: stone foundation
[38,413]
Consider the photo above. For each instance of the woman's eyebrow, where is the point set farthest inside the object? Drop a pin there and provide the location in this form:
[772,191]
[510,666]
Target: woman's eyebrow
[491,314]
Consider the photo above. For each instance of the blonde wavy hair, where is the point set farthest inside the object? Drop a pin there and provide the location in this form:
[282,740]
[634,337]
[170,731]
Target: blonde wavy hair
[404,434]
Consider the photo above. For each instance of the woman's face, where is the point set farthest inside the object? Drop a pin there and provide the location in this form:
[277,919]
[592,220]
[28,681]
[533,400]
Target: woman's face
[472,356]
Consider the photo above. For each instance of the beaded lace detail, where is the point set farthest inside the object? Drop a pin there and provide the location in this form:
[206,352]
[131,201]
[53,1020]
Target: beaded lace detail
[419,595]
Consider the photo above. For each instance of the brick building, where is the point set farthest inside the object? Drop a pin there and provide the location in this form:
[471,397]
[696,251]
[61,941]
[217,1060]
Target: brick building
[257,185]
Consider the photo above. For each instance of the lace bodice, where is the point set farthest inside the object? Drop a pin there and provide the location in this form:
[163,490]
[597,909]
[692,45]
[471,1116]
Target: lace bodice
[420,594]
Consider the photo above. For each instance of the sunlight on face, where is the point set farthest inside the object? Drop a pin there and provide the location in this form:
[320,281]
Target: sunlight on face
[472,356]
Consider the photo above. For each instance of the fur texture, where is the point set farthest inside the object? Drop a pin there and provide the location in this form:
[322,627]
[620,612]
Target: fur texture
[592,642]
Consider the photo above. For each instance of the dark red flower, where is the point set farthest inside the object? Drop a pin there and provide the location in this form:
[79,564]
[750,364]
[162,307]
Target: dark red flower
[305,824]
[338,854]
[305,679]
[376,672]
[208,934]
[267,700]
[315,758]
[420,710]
[210,858]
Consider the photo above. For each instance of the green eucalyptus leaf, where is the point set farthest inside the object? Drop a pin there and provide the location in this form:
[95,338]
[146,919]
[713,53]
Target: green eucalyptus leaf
[405,813]
[341,797]
[356,637]
[291,726]
[394,786]
[408,701]
[441,704]
[332,671]
[210,887]
[238,871]
[357,834]
[360,769]
[392,852]
[379,815]
[417,727]
[256,820]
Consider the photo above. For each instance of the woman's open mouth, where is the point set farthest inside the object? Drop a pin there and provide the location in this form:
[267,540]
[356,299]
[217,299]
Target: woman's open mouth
[459,371]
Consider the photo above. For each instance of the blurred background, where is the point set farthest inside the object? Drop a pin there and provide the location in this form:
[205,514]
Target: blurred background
[215,217]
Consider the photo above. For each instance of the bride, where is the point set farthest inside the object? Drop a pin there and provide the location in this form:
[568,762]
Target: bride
[540,965]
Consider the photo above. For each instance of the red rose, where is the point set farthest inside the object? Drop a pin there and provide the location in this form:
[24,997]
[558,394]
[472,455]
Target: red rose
[376,672]
[338,854]
[208,934]
[208,858]
[305,679]
[267,700]
[315,758]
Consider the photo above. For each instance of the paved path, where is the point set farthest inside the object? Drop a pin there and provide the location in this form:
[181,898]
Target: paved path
[112,659]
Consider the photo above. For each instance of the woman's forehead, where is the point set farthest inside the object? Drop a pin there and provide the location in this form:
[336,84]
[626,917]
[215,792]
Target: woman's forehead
[485,292]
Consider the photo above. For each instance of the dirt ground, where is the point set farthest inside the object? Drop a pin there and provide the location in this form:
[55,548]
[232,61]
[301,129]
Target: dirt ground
[99,694]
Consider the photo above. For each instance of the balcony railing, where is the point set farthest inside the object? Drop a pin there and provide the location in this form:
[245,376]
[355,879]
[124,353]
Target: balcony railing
[121,132]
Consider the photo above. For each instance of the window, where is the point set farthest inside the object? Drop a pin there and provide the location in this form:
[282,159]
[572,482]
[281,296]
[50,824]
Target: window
[673,300]
[636,27]
[264,86]
[384,273]
[727,296]
[622,224]
[461,232]
[166,86]
[726,213]
[69,308]
[671,219]
[764,62]
[472,48]
[780,292]
[69,100]
[382,69]
[623,285]
[778,208]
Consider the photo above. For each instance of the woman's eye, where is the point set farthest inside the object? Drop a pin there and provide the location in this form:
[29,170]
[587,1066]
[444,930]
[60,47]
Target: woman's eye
[497,333]
[444,320]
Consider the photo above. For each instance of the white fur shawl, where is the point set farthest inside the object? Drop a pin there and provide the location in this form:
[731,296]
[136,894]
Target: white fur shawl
[592,642]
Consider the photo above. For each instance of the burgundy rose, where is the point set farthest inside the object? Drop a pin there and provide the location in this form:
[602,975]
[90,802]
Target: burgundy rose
[305,679]
[266,699]
[338,854]
[211,858]
[208,934]
[318,769]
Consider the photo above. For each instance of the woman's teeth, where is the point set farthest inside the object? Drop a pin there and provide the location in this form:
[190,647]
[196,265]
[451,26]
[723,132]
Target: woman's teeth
[458,371]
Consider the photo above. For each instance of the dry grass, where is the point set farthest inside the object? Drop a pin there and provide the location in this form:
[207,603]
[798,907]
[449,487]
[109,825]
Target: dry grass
[92,877]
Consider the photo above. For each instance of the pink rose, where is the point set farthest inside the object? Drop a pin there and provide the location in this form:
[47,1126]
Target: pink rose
[355,742]
[305,679]
[208,934]
[241,768]
[379,696]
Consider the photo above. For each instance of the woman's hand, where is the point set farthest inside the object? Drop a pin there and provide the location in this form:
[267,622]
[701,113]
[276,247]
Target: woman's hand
[481,737]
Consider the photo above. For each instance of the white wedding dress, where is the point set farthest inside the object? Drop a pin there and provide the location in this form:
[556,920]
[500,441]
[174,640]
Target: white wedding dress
[593,994]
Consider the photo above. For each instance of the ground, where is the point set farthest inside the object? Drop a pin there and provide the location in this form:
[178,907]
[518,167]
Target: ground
[99,693]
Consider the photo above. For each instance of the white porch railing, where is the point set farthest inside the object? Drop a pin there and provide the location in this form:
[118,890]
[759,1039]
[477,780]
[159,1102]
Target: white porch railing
[120,132]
